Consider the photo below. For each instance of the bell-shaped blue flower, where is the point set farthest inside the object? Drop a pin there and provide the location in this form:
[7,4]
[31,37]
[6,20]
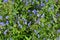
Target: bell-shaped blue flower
[35,12]
[46,0]
[5,1]
[0,17]
[42,4]
[2,24]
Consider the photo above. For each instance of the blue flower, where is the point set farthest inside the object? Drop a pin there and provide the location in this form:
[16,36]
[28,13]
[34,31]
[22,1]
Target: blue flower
[30,14]
[32,3]
[5,1]
[27,3]
[18,22]
[36,32]
[0,17]
[20,26]
[28,10]
[7,17]
[52,7]
[57,14]
[38,21]
[35,12]
[46,0]
[25,21]
[49,25]
[2,24]
[42,4]
[5,32]
[58,31]
[38,36]
[7,22]
[29,24]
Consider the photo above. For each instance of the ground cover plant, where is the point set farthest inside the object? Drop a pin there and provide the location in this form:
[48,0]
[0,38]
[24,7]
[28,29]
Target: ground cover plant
[29,19]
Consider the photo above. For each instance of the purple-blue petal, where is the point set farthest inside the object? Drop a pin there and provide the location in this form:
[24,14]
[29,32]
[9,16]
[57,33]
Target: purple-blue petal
[42,4]
[34,11]
[2,24]
[29,23]
[28,10]
[0,17]
[46,0]
[7,17]
[5,0]
[5,32]
[7,22]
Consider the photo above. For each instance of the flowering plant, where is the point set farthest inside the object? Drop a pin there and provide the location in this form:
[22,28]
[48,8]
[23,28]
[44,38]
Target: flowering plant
[29,19]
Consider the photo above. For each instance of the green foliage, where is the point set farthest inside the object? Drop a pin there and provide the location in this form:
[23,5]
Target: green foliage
[29,20]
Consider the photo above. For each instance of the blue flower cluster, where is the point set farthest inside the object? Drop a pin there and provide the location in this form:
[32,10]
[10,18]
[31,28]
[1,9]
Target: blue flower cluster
[2,23]
[5,1]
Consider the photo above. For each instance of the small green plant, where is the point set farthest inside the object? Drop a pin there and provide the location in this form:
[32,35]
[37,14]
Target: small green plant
[29,19]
